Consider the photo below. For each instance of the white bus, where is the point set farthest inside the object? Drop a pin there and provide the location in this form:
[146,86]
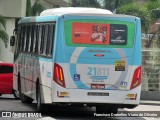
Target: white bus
[82,56]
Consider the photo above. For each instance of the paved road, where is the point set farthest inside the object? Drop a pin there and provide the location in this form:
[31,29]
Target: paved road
[8,103]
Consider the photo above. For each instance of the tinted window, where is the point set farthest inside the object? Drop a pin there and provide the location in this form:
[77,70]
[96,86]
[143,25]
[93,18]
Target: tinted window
[45,39]
[20,37]
[23,34]
[37,39]
[50,40]
[32,38]
[6,69]
[27,38]
[42,39]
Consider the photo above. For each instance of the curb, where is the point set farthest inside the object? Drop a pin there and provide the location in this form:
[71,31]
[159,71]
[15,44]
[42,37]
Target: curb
[147,102]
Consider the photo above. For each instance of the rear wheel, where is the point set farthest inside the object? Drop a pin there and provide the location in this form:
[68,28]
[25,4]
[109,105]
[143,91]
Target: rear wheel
[106,109]
[16,94]
[23,97]
[40,106]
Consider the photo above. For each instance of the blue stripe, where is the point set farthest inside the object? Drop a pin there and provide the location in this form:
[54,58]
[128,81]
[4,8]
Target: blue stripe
[137,60]
[127,18]
[38,19]
[45,59]
[46,18]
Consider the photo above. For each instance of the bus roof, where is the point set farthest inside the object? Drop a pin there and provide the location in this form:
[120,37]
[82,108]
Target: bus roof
[77,10]
[52,14]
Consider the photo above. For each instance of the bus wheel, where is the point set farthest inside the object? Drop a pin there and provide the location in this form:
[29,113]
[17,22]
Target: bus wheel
[23,97]
[106,109]
[16,94]
[38,97]
[0,94]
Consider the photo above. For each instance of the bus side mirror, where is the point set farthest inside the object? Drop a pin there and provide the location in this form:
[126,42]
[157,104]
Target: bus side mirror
[12,40]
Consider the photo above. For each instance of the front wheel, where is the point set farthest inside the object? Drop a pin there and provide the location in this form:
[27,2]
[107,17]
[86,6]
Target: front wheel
[16,94]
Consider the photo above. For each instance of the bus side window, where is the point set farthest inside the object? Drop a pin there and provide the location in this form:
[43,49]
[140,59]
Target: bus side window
[20,38]
[42,40]
[32,38]
[45,39]
[23,38]
[52,38]
[48,39]
[27,38]
[36,45]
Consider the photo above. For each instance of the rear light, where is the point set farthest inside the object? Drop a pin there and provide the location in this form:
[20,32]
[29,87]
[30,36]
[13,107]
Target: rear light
[136,81]
[58,75]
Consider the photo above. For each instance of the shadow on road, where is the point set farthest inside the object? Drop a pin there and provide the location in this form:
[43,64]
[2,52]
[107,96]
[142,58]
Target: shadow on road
[69,112]
[4,98]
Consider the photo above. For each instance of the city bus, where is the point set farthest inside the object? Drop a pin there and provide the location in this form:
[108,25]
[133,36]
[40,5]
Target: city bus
[78,56]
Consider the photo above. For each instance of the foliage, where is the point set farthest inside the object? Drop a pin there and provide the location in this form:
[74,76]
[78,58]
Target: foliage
[112,5]
[2,22]
[153,9]
[37,8]
[3,35]
[158,39]
[85,3]
[135,10]
[28,8]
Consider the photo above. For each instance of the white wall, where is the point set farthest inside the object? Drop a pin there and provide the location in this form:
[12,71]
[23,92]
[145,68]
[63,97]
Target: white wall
[5,54]
[10,9]
[13,8]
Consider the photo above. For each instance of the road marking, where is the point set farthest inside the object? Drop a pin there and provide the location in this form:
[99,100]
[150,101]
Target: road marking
[46,118]
[150,118]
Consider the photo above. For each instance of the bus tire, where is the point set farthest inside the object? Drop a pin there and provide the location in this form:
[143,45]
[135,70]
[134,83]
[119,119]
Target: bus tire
[0,94]
[40,106]
[23,97]
[114,110]
[106,109]
[16,94]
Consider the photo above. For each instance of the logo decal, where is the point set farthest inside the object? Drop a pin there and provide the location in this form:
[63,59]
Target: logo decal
[99,55]
[119,65]
[76,77]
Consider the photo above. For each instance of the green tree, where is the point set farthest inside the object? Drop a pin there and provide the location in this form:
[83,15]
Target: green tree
[153,9]
[74,3]
[134,8]
[112,5]
[34,10]
[3,35]
[85,3]
[148,11]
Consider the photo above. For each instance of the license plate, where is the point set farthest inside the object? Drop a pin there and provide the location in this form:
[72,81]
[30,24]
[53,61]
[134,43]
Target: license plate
[97,94]
[98,86]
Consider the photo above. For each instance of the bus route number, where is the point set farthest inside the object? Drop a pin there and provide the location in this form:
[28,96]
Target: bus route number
[93,71]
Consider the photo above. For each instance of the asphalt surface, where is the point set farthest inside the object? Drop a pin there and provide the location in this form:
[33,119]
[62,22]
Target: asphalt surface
[8,103]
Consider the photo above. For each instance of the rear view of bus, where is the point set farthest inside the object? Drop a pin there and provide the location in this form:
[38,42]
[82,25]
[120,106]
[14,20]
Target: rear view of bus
[98,61]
